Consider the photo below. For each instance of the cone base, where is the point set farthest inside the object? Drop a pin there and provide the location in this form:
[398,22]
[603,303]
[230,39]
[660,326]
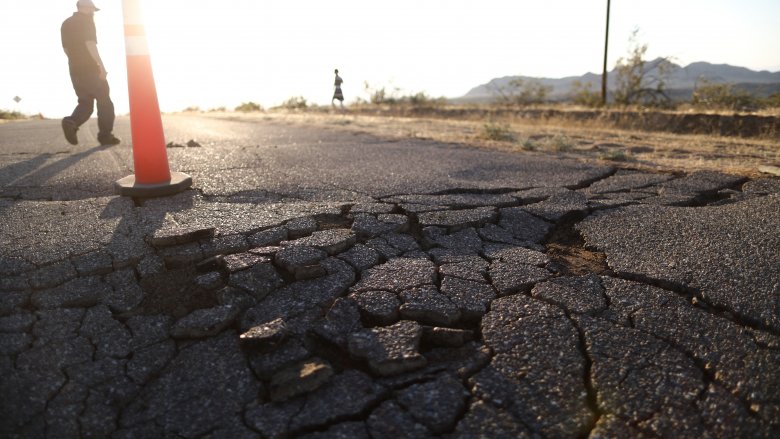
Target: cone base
[129,188]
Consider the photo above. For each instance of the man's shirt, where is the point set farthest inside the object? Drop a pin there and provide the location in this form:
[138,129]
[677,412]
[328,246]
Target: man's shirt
[76,31]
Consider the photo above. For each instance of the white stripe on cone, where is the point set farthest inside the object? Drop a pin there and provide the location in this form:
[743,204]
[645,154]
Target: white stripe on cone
[136,46]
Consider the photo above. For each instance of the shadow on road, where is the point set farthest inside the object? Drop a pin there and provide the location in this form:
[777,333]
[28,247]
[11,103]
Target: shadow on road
[139,219]
[35,176]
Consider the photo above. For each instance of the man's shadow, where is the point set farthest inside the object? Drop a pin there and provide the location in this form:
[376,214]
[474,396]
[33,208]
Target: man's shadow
[18,179]
[45,173]
[139,219]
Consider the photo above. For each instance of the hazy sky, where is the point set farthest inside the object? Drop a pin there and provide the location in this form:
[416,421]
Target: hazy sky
[212,53]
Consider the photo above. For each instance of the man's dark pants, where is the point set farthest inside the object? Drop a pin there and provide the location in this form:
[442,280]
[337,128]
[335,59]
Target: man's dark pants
[91,89]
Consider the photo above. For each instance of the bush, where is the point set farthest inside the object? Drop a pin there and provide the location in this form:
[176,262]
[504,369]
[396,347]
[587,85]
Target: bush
[421,99]
[381,95]
[583,94]
[9,115]
[522,92]
[248,107]
[723,97]
[642,82]
[528,145]
[560,143]
[494,131]
[615,155]
[772,101]
[295,103]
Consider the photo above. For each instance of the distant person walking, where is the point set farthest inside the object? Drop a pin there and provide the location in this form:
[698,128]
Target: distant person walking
[88,75]
[337,94]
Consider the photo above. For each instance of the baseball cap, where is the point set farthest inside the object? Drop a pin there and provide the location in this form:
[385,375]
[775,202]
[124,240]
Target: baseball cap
[86,4]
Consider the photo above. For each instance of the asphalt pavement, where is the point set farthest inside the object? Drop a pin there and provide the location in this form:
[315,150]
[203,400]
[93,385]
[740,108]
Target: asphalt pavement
[322,283]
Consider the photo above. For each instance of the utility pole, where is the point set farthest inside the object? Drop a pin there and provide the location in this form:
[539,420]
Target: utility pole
[604,73]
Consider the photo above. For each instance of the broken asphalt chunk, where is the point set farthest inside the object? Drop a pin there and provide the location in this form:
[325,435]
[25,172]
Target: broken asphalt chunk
[170,236]
[427,305]
[302,261]
[458,219]
[332,241]
[389,350]
[377,307]
[205,322]
[264,337]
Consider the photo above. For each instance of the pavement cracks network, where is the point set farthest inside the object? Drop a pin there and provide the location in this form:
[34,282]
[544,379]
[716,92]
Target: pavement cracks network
[414,315]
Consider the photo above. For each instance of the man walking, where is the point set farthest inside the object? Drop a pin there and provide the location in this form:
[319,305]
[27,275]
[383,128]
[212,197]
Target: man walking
[79,40]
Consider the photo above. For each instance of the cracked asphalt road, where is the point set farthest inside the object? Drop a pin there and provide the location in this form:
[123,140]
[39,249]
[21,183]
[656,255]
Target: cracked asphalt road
[320,284]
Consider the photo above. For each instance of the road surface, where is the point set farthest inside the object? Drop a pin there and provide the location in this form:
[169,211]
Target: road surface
[318,283]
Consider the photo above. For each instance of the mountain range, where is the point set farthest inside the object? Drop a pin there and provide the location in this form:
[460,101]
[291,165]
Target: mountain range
[680,82]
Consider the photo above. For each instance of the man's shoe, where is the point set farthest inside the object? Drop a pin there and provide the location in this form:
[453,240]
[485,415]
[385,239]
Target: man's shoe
[108,139]
[69,128]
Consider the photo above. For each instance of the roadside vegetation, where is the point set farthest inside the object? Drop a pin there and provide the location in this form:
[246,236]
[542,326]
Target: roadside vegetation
[11,115]
[248,107]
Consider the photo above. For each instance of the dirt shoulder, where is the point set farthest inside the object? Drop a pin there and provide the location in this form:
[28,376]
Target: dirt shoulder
[589,141]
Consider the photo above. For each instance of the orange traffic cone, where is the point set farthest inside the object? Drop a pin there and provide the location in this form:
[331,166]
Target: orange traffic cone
[152,176]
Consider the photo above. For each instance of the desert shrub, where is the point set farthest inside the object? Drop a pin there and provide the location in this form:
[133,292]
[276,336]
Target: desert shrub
[9,115]
[522,92]
[248,107]
[421,99]
[559,143]
[295,103]
[641,82]
[192,109]
[711,96]
[528,145]
[497,132]
[217,110]
[583,94]
[773,101]
[615,155]
[381,95]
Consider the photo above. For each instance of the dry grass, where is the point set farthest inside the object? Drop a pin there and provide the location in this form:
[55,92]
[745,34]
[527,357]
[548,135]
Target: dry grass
[585,140]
